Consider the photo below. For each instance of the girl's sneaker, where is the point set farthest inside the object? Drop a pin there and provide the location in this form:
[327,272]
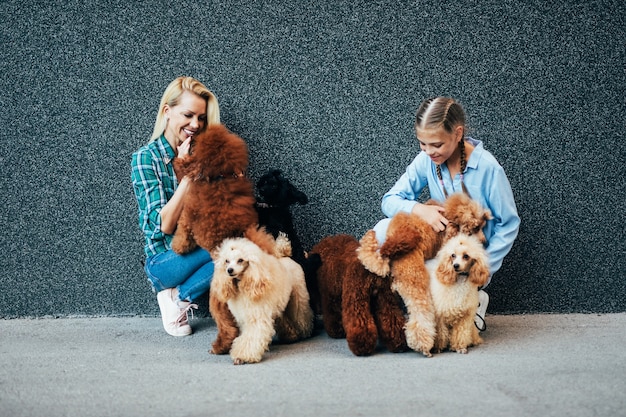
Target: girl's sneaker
[483,302]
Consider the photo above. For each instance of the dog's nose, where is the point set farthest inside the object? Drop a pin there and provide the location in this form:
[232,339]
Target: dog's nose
[230,271]
[456,266]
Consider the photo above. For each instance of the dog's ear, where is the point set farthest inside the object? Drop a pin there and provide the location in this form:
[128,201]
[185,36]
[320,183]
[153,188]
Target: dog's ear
[296,195]
[487,215]
[479,274]
[445,271]
[222,287]
[257,279]
[452,229]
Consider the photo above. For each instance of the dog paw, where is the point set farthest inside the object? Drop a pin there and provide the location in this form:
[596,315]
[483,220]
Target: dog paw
[461,350]
[219,350]
[182,247]
[242,361]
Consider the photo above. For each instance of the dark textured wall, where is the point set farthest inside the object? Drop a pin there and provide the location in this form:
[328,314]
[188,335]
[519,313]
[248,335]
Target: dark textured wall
[326,91]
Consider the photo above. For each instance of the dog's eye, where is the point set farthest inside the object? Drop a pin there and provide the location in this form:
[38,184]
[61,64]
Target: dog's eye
[465,256]
[240,261]
[453,256]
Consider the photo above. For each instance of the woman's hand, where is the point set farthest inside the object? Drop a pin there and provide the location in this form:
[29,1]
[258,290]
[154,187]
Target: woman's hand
[183,148]
[432,215]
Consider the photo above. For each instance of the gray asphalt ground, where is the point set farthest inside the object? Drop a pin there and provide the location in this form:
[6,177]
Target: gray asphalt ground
[529,365]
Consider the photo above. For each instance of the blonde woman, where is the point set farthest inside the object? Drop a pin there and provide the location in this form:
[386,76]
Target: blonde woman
[187,107]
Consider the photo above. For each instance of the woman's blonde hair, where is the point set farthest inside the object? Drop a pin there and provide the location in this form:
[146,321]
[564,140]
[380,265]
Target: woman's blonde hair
[171,98]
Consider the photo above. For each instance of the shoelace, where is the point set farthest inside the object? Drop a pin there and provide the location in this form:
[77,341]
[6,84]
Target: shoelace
[482,327]
[182,317]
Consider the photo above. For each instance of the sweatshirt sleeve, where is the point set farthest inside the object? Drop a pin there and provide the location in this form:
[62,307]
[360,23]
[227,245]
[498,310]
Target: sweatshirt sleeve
[405,192]
[506,221]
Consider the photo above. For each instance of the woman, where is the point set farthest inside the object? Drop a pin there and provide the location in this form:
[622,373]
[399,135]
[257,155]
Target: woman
[186,108]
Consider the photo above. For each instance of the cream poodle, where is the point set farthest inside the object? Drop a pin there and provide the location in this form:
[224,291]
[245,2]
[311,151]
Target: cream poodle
[460,268]
[255,296]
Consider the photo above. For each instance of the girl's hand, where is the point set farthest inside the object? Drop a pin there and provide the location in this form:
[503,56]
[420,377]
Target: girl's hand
[183,148]
[432,215]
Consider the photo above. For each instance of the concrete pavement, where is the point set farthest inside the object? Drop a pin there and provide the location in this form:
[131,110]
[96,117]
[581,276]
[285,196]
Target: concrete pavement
[529,365]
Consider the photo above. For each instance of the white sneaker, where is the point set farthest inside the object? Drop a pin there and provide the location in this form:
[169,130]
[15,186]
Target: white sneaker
[174,312]
[483,302]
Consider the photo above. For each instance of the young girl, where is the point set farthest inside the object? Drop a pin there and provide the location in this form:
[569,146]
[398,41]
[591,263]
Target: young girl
[186,108]
[451,162]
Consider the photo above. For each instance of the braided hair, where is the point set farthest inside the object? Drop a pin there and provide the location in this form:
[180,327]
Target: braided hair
[446,113]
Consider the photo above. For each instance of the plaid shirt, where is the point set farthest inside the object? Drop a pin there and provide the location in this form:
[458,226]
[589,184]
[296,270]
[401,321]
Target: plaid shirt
[154,182]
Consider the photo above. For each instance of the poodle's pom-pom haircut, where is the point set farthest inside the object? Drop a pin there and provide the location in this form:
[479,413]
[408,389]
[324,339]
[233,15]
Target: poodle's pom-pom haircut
[283,246]
[370,257]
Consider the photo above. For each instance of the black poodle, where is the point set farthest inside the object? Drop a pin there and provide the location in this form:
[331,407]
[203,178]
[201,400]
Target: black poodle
[275,195]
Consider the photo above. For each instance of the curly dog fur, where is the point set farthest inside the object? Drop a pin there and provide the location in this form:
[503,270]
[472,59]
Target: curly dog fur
[356,303]
[255,296]
[459,270]
[275,195]
[220,201]
[410,241]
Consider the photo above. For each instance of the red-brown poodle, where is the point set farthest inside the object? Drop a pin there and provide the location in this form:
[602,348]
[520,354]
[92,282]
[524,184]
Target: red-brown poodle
[410,241]
[220,202]
[356,303]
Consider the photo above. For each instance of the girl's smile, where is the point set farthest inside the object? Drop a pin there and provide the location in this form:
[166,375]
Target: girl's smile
[438,144]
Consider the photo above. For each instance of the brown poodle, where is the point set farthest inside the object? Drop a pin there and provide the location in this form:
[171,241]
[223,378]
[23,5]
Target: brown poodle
[409,243]
[356,303]
[220,201]
[459,270]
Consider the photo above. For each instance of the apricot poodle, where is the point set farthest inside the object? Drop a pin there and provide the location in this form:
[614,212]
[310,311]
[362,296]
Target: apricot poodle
[356,303]
[459,270]
[255,296]
[410,241]
[220,201]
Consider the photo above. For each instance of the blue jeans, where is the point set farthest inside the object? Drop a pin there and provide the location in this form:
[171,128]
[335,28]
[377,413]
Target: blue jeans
[191,273]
